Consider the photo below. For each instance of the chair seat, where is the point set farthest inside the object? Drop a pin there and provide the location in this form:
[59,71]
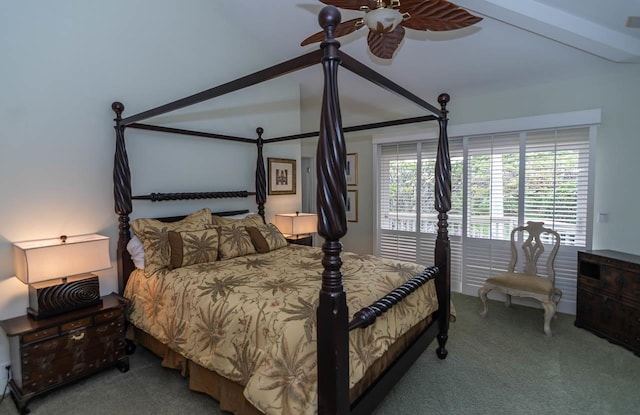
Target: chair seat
[522,282]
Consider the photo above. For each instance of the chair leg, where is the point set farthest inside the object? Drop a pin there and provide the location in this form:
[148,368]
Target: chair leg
[549,312]
[482,293]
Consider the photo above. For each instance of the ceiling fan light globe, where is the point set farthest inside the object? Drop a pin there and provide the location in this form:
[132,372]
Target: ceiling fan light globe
[383,20]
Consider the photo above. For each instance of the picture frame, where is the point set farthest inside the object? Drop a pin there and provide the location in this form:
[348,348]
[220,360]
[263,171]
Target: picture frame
[282,176]
[352,169]
[351,205]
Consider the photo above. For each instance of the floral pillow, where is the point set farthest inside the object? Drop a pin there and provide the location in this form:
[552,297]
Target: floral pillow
[234,241]
[192,247]
[154,236]
[266,238]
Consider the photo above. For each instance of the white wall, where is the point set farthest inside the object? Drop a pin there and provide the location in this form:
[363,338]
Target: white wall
[359,237]
[65,62]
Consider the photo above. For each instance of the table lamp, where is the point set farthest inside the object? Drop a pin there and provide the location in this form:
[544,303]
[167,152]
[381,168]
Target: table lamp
[297,225]
[58,272]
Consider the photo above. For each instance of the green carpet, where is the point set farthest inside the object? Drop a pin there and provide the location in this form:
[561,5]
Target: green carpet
[503,364]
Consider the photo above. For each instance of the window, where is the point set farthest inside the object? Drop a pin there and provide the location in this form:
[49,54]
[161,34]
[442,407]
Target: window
[498,182]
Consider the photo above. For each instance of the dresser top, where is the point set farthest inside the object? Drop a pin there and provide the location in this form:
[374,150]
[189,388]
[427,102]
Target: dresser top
[617,255]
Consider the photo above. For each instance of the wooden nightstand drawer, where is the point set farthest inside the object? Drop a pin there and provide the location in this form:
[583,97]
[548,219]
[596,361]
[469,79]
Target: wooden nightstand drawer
[73,325]
[108,315]
[40,334]
[81,357]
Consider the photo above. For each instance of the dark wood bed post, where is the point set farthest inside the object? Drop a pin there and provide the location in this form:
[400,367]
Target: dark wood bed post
[443,248]
[122,197]
[261,180]
[332,312]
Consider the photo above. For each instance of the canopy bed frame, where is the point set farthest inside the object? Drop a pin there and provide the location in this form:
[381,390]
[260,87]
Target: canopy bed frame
[333,323]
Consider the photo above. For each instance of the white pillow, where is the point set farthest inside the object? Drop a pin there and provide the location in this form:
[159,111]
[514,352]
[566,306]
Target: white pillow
[136,250]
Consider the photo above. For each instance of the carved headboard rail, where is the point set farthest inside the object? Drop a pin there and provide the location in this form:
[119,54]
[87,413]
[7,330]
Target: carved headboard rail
[169,219]
[160,197]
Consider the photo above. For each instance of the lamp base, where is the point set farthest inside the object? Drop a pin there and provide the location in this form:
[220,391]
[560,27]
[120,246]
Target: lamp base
[55,297]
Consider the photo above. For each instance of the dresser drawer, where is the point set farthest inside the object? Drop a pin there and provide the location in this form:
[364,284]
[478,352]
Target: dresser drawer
[608,317]
[610,275]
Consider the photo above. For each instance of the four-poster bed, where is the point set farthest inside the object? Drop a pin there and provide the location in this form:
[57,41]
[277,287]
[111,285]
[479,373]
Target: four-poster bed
[335,394]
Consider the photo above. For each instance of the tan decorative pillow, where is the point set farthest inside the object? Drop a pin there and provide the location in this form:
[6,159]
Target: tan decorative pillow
[192,247]
[266,237]
[253,219]
[153,234]
[234,241]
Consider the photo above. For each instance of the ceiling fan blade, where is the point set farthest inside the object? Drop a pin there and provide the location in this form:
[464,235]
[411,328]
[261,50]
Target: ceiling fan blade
[385,44]
[348,4]
[342,29]
[436,15]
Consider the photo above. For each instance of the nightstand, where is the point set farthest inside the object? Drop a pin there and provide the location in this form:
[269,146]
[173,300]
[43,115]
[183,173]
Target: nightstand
[52,352]
[300,240]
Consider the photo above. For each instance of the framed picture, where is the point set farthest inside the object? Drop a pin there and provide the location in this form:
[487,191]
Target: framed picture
[282,176]
[352,169]
[352,206]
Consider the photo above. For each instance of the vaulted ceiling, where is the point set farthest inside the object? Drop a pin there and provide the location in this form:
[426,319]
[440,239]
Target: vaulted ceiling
[518,43]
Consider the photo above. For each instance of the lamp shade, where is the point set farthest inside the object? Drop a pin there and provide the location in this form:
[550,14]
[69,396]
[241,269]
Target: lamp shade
[383,20]
[47,259]
[297,223]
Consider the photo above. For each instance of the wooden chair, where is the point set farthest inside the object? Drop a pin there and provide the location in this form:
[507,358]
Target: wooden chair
[528,283]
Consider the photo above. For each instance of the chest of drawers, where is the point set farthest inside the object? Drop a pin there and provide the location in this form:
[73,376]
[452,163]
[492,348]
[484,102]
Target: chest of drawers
[608,297]
[49,353]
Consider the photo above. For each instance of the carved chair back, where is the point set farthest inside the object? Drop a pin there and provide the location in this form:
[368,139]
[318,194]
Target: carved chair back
[533,247]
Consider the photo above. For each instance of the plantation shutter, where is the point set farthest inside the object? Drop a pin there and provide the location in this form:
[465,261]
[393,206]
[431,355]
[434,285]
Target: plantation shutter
[556,193]
[397,201]
[492,206]
[406,198]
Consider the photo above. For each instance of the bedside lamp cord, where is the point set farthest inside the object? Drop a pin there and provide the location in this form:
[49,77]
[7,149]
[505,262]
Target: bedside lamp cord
[4,392]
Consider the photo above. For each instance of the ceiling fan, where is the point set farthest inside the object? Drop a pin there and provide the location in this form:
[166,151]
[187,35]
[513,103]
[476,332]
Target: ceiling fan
[386,20]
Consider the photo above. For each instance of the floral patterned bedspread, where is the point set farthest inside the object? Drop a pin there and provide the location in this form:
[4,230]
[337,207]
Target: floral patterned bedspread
[252,318]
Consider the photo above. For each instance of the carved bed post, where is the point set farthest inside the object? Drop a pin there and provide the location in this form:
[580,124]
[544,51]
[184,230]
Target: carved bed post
[443,248]
[332,313]
[261,181]
[122,197]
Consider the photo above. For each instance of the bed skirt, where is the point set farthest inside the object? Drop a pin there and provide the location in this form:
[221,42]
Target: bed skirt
[230,394]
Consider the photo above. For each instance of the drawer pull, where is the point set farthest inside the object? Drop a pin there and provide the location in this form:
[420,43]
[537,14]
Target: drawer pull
[77,336]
